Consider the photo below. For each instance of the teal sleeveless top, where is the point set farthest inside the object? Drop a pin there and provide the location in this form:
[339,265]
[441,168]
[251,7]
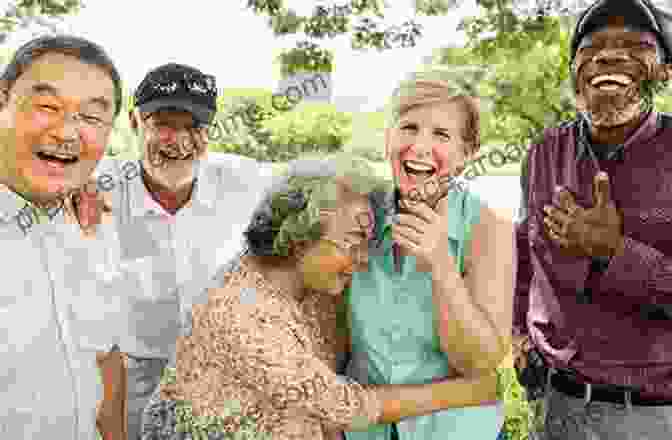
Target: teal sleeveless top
[393,328]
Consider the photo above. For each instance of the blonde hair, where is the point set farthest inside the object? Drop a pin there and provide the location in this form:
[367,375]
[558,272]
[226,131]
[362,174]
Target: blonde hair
[436,86]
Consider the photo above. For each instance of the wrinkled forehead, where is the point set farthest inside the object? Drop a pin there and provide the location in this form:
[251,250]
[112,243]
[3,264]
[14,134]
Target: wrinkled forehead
[67,78]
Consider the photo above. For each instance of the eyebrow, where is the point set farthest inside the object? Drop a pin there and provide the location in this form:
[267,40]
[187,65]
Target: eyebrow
[408,121]
[48,89]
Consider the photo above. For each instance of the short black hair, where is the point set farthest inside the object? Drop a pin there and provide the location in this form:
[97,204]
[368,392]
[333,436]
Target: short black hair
[86,51]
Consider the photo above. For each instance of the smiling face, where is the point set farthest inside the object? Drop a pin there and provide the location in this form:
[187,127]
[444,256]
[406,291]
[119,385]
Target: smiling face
[610,67]
[55,122]
[327,265]
[427,145]
[173,142]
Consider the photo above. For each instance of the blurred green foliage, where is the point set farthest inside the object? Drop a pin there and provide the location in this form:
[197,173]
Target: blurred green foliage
[23,13]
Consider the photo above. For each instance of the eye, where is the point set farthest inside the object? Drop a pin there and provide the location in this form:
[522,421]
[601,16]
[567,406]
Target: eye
[444,135]
[643,46]
[91,119]
[49,108]
[407,127]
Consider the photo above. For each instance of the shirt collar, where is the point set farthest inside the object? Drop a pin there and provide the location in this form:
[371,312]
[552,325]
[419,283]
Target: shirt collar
[14,206]
[10,204]
[142,203]
[644,132]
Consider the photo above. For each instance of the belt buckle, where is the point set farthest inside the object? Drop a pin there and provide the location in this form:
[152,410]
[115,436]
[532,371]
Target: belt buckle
[624,393]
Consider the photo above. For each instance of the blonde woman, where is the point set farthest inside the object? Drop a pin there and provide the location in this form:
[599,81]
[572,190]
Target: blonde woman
[268,341]
[436,300]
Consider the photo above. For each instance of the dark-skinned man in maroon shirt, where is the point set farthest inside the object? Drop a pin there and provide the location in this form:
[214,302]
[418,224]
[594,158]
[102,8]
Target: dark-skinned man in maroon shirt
[594,284]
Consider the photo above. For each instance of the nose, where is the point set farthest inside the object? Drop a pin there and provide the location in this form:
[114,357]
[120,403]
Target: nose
[423,148]
[67,131]
[184,142]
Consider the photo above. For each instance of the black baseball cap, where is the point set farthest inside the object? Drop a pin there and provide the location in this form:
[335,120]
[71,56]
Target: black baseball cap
[176,86]
[637,13]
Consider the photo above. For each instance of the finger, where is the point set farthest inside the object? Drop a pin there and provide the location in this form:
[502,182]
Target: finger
[407,233]
[559,217]
[413,199]
[71,208]
[424,212]
[89,206]
[403,240]
[521,361]
[411,221]
[602,189]
[554,226]
[430,191]
[565,199]
[557,238]
[95,205]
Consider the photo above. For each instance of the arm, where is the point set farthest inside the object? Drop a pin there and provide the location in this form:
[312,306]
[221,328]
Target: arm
[640,271]
[401,401]
[112,413]
[475,313]
[295,380]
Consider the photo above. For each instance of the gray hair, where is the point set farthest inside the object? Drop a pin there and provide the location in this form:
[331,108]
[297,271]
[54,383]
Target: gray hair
[289,210]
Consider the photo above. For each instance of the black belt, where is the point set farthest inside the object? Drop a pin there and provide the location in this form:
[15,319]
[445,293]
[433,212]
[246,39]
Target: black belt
[567,384]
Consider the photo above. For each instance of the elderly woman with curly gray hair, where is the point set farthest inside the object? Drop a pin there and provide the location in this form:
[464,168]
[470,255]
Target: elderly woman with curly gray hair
[267,348]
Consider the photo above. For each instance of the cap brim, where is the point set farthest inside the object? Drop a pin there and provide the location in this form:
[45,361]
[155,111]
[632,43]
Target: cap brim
[201,113]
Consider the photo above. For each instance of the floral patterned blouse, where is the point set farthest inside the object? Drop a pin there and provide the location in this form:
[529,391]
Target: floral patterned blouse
[272,356]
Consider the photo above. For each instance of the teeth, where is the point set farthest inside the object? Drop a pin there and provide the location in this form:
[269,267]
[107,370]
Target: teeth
[176,154]
[418,167]
[623,80]
[58,155]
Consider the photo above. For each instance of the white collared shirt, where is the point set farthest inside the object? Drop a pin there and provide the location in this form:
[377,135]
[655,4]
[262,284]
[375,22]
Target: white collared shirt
[175,258]
[66,297]
[59,305]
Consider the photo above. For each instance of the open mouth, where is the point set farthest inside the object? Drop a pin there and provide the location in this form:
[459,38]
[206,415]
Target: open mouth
[57,158]
[611,82]
[169,154]
[418,169]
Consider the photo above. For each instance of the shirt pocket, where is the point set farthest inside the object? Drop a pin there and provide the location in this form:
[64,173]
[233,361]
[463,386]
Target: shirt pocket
[138,309]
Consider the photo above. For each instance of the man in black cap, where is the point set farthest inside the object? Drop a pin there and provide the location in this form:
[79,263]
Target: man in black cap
[174,218]
[594,284]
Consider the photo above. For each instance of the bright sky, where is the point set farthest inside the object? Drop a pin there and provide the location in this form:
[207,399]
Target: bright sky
[225,39]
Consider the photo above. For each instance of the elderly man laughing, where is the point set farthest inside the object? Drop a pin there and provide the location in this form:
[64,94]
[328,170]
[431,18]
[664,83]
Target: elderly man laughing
[595,258]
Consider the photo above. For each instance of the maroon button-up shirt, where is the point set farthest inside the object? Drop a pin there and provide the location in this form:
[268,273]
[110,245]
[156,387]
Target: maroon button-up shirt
[614,338]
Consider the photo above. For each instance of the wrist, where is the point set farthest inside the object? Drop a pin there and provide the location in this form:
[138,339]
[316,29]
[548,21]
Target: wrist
[446,274]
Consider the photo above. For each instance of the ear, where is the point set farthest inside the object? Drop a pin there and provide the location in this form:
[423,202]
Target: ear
[132,121]
[469,155]
[298,249]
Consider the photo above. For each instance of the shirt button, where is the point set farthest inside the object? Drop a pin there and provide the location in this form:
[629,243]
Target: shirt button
[395,333]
